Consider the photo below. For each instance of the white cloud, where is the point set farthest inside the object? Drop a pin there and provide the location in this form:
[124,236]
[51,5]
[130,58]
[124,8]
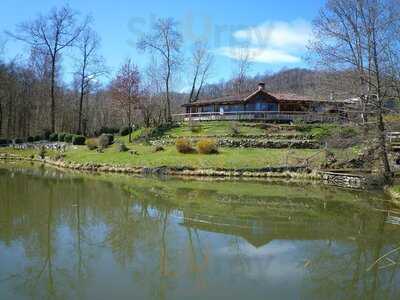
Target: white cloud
[260,55]
[271,42]
[294,34]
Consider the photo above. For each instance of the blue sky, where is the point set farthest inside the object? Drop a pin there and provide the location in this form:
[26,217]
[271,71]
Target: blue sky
[275,32]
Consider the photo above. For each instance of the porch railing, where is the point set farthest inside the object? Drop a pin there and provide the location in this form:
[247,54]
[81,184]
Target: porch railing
[289,116]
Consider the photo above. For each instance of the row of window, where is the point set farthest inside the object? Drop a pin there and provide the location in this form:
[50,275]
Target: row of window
[257,106]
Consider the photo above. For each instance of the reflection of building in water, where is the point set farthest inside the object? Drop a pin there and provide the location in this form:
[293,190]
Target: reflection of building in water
[252,231]
[259,232]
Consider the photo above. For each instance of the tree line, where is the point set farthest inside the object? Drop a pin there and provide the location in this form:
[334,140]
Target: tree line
[355,51]
[34,96]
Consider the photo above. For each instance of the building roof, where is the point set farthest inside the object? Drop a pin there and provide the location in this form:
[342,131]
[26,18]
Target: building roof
[243,98]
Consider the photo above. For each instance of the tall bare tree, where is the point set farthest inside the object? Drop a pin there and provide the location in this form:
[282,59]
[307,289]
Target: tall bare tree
[358,35]
[201,63]
[51,33]
[89,68]
[241,70]
[165,40]
[125,91]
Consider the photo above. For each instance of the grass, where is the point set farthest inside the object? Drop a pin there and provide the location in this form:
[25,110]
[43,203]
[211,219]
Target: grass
[396,188]
[222,128]
[227,158]
[27,153]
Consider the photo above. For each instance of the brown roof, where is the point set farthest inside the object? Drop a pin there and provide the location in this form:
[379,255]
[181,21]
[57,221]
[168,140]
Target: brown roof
[243,98]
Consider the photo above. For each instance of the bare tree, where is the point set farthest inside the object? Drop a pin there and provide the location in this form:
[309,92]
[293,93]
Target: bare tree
[201,62]
[165,40]
[242,69]
[51,34]
[125,91]
[90,67]
[358,35]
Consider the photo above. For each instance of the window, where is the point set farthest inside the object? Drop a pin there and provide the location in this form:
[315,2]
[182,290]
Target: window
[263,106]
[208,108]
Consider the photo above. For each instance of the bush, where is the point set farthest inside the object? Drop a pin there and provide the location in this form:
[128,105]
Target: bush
[46,134]
[122,147]
[42,152]
[349,132]
[184,146]
[53,137]
[78,140]
[107,130]
[30,139]
[105,140]
[195,128]
[124,131]
[234,129]
[18,141]
[61,137]
[207,146]
[4,142]
[343,137]
[158,149]
[68,138]
[92,144]
[37,138]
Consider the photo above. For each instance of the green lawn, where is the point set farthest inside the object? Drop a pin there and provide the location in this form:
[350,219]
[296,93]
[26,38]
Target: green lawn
[221,128]
[227,158]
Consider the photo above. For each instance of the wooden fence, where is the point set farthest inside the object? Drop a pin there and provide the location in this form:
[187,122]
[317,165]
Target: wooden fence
[262,116]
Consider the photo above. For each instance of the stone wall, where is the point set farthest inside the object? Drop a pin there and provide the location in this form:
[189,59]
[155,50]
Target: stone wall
[354,181]
[251,143]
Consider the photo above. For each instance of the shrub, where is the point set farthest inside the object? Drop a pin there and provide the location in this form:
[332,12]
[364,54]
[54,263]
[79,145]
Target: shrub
[92,144]
[18,141]
[124,131]
[4,142]
[78,140]
[68,138]
[107,130]
[121,147]
[61,136]
[184,146]
[46,134]
[37,138]
[234,129]
[195,128]
[59,156]
[105,140]
[42,152]
[30,139]
[53,137]
[349,132]
[158,149]
[343,137]
[207,146]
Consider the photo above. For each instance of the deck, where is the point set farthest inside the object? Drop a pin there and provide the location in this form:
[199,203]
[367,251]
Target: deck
[263,116]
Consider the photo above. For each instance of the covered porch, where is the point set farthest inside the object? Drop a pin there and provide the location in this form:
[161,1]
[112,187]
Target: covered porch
[262,116]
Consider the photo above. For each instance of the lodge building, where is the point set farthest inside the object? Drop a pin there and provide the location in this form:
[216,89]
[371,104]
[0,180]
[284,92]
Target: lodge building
[264,105]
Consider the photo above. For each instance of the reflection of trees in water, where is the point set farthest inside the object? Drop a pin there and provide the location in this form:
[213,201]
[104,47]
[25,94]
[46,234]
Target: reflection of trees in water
[97,215]
[342,269]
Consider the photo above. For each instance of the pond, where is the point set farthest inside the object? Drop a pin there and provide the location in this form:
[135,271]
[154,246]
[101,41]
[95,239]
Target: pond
[67,235]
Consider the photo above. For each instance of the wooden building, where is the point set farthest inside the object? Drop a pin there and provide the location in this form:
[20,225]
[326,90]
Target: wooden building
[262,101]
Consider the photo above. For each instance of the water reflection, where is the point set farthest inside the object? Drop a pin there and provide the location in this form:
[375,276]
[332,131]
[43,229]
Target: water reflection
[66,236]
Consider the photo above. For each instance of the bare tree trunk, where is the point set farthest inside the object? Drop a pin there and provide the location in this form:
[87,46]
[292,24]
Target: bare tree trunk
[52,95]
[130,124]
[81,96]
[169,116]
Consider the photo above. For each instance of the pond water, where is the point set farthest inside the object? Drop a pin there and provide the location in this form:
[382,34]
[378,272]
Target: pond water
[66,235]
